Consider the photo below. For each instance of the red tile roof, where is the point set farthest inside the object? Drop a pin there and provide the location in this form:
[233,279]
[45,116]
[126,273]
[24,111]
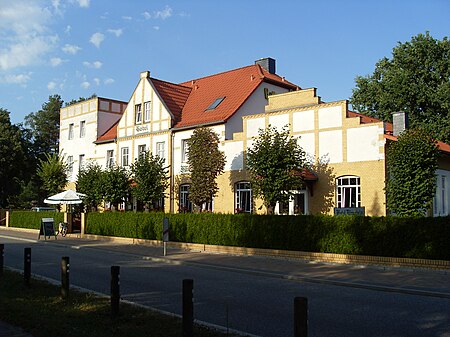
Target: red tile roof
[235,85]
[110,134]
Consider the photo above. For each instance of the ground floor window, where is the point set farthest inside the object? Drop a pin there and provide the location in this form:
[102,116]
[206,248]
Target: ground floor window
[243,197]
[440,202]
[348,192]
[184,204]
[297,204]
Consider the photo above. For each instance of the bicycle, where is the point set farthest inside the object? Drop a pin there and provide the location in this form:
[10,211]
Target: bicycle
[62,228]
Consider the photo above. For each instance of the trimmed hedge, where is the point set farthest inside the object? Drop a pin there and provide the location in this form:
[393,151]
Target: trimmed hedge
[32,220]
[378,236]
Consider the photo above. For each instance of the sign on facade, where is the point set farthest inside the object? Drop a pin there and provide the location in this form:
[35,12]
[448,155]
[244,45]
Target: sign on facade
[350,211]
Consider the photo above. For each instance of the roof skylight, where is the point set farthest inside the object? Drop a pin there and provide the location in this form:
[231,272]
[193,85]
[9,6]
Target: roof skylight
[215,103]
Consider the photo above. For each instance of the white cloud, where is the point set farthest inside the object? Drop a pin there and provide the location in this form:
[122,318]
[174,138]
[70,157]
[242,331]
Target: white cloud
[71,49]
[109,81]
[85,85]
[96,39]
[25,33]
[17,79]
[68,29]
[94,65]
[51,85]
[116,32]
[97,81]
[55,61]
[163,14]
[127,18]
[84,3]
[156,27]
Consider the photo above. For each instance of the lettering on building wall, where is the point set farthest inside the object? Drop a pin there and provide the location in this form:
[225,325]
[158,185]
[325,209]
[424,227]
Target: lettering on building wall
[350,211]
[142,128]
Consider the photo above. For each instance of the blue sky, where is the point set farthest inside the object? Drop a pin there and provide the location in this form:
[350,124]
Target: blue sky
[78,47]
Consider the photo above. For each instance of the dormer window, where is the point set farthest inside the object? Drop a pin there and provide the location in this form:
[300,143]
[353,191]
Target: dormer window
[215,104]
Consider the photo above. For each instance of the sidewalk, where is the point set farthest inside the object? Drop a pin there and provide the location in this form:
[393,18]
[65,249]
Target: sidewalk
[7,330]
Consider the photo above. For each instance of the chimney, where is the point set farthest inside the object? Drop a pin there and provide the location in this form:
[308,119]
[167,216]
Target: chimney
[267,63]
[400,122]
[145,74]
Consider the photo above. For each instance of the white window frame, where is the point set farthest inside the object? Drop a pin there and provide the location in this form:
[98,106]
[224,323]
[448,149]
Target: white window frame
[109,158]
[70,131]
[82,129]
[138,113]
[160,150]
[184,205]
[291,210]
[80,161]
[348,186]
[124,156]
[69,166]
[141,150]
[184,150]
[243,197]
[147,111]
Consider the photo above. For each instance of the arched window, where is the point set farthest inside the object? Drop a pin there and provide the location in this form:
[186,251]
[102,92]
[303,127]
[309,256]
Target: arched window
[348,192]
[184,204]
[243,197]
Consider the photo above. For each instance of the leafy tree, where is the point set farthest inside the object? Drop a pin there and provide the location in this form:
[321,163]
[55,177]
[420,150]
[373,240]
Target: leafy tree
[415,80]
[44,127]
[116,185]
[150,177]
[411,180]
[89,182]
[12,158]
[205,162]
[53,173]
[272,163]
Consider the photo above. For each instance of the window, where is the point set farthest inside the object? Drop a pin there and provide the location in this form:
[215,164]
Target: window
[243,197]
[184,204]
[138,113]
[69,166]
[215,104]
[160,150]
[124,157]
[348,192]
[80,161]
[71,131]
[184,150]
[440,199]
[141,151]
[109,158]
[147,111]
[82,129]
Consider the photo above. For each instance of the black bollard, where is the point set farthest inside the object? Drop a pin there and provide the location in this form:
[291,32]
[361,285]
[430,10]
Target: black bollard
[65,269]
[300,317]
[27,265]
[2,248]
[188,308]
[115,290]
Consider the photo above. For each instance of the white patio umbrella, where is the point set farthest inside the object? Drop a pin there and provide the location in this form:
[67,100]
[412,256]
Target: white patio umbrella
[69,197]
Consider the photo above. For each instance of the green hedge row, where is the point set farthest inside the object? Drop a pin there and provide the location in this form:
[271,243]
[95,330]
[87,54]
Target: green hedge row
[379,236]
[32,220]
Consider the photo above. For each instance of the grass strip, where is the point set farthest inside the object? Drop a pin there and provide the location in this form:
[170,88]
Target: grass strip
[40,310]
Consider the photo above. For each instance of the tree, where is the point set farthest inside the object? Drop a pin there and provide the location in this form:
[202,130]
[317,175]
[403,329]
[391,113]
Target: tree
[89,182]
[150,178]
[415,80]
[205,162]
[53,173]
[116,185]
[411,180]
[272,162]
[44,127]
[12,158]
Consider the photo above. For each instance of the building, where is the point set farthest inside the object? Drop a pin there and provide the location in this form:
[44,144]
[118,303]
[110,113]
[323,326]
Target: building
[346,149]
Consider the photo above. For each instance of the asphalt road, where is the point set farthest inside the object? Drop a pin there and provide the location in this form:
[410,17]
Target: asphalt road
[241,300]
